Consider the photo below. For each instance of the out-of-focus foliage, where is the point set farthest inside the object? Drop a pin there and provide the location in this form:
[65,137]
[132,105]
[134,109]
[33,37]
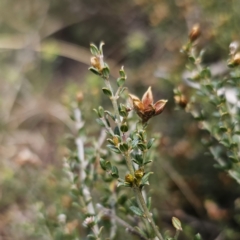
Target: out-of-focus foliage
[44,59]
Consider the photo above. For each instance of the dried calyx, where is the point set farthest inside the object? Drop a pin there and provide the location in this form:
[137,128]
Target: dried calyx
[194,33]
[145,108]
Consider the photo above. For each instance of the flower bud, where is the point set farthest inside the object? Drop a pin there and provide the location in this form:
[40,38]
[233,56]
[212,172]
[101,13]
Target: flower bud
[115,140]
[62,218]
[139,173]
[194,33]
[79,96]
[236,59]
[233,47]
[181,100]
[95,62]
[129,178]
[89,222]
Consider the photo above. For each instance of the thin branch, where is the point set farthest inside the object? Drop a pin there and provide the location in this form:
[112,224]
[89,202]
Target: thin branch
[148,215]
[80,152]
[129,228]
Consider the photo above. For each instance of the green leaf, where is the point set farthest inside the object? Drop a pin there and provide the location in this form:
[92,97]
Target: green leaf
[231,64]
[123,110]
[107,121]
[123,147]
[110,141]
[143,135]
[94,50]
[222,129]
[191,59]
[233,145]
[95,71]
[135,142]
[96,111]
[134,160]
[111,115]
[219,84]
[223,167]
[101,46]
[141,146]
[103,164]
[137,211]
[122,90]
[139,158]
[107,91]
[116,131]
[150,143]
[113,148]
[197,237]
[149,202]
[121,81]
[122,72]
[225,142]
[209,87]
[114,172]
[108,166]
[144,180]
[100,230]
[76,205]
[222,99]
[141,231]
[105,72]
[100,111]
[206,73]
[100,122]
[177,223]
[225,116]
[124,184]
[75,179]
[75,192]
[91,236]
[233,159]
[124,127]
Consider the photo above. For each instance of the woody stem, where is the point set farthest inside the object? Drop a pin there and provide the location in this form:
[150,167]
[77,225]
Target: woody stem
[137,190]
[118,121]
[147,214]
[115,105]
[129,164]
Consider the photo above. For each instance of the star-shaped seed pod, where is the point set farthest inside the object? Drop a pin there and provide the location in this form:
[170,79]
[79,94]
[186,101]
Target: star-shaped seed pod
[145,108]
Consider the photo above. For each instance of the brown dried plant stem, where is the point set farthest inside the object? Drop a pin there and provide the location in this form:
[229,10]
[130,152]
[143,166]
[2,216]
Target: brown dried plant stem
[137,191]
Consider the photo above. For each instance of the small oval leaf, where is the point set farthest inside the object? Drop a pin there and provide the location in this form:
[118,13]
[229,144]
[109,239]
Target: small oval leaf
[176,223]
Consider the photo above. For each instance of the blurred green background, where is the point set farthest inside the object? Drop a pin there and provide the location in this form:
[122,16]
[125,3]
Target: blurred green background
[44,60]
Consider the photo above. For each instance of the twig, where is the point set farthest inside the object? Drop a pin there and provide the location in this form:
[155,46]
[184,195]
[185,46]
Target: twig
[137,191]
[129,228]
[148,215]
[80,152]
